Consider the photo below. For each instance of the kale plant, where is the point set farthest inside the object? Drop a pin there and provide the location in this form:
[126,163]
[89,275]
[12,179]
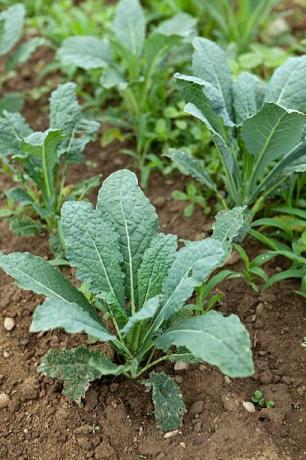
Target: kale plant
[257,128]
[135,63]
[135,285]
[38,162]
[11,25]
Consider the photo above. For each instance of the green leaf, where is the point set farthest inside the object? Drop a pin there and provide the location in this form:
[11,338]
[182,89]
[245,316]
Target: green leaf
[13,128]
[11,102]
[129,25]
[209,62]
[134,219]
[146,312]
[66,115]
[72,317]
[270,134]
[155,265]
[248,94]
[156,48]
[44,147]
[182,25]
[13,18]
[221,341]
[86,52]
[25,227]
[287,86]
[24,52]
[192,266]
[227,226]
[36,274]
[77,367]
[192,166]
[19,195]
[168,401]
[93,248]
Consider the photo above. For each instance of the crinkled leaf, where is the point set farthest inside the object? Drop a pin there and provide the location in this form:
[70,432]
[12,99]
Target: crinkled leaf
[13,18]
[24,52]
[270,134]
[87,52]
[77,367]
[66,115]
[221,341]
[130,25]
[155,265]
[169,407]
[209,62]
[227,227]
[182,25]
[287,86]
[13,128]
[71,317]
[146,312]
[191,165]
[122,202]
[192,266]
[248,94]
[36,274]
[93,248]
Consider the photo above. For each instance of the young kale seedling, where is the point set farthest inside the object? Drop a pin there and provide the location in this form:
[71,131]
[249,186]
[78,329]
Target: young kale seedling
[11,25]
[258,129]
[135,63]
[135,285]
[38,162]
[260,401]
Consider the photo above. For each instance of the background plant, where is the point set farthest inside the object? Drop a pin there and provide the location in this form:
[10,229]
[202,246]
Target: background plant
[11,26]
[258,129]
[137,65]
[38,162]
[135,277]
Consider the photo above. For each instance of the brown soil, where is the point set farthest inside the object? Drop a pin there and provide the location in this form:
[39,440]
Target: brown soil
[116,421]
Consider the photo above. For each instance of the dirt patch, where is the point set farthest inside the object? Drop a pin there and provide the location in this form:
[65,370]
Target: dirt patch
[116,421]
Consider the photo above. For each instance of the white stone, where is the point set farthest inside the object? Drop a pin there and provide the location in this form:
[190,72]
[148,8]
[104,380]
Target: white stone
[249,406]
[9,324]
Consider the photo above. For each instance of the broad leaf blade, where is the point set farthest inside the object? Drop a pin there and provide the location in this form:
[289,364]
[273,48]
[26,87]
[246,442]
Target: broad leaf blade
[36,274]
[86,52]
[221,341]
[192,166]
[192,266]
[13,18]
[134,218]
[287,86]
[13,128]
[93,248]
[248,94]
[209,62]
[228,226]
[270,134]
[182,25]
[77,367]
[168,401]
[72,317]
[157,260]
[146,312]
[129,25]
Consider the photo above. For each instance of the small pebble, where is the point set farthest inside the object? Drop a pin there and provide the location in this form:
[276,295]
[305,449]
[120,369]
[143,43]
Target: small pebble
[178,379]
[198,427]
[181,366]
[227,380]
[6,354]
[249,406]
[9,324]
[183,445]
[4,400]
[196,407]
[170,434]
